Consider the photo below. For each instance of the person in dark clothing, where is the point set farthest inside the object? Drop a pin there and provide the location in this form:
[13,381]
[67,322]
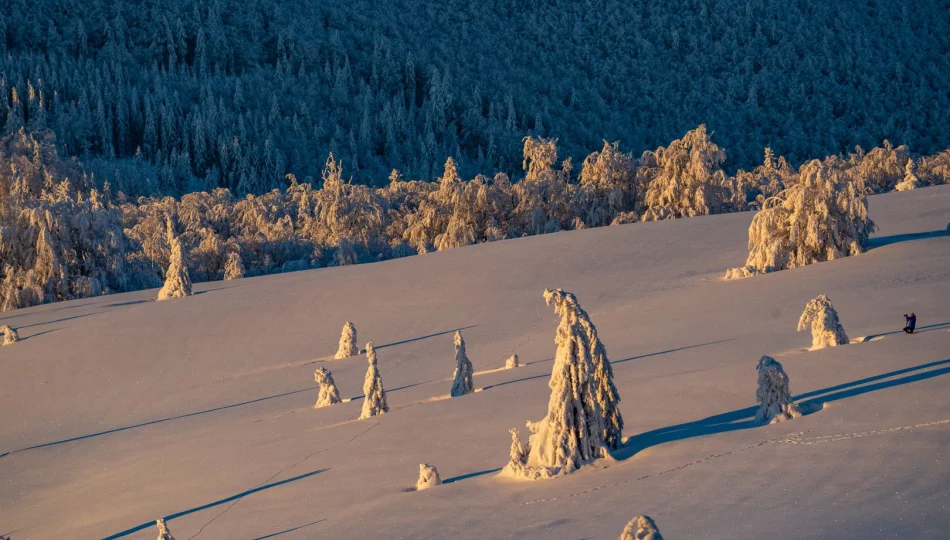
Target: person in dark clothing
[911,323]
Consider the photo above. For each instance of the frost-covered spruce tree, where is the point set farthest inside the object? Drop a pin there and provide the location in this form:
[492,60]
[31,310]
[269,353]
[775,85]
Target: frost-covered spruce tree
[374,400]
[565,304]
[10,336]
[823,216]
[826,330]
[574,431]
[329,395]
[641,528]
[428,477]
[163,532]
[234,267]
[910,181]
[462,381]
[773,396]
[512,362]
[177,281]
[348,346]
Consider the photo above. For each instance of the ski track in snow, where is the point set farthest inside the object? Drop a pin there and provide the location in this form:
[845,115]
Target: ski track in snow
[795,438]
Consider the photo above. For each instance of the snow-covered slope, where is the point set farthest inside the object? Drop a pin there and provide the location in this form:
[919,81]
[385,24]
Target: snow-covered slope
[118,410]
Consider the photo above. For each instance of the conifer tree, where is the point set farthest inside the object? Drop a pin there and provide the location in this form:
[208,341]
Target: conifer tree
[462,382]
[826,330]
[163,532]
[347,346]
[234,267]
[374,401]
[428,477]
[641,528]
[328,393]
[773,394]
[10,335]
[177,281]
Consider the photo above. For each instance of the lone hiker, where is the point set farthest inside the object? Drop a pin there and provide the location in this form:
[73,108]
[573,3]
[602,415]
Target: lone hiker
[911,322]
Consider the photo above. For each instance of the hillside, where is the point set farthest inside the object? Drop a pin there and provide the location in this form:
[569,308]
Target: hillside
[174,97]
[118,410]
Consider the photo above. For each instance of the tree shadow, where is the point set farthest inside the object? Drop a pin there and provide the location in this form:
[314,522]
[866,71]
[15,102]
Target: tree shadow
[882,241]
[403,342]
[745,418]
[129,303]
[470,475]
[243,494]
[40,334]
[152,422]
[285,531]
[919,330]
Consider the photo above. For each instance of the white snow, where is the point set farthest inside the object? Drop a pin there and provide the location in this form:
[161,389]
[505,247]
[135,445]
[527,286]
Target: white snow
[202,409]
[512,362]
[428,477]
[10,335]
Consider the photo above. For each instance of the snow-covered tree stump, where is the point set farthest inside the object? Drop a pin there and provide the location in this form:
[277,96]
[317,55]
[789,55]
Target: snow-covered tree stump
[234,267]
[641,528]
[329,395]
[10,336]
[583,412]
[374,401]
[177,281]
[773,395]
[826,330]
[163,532]
[462,382]
[348,346]
[428,477]
[512,362]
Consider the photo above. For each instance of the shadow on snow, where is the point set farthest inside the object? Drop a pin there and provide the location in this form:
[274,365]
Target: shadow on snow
[285,531]
[888,240]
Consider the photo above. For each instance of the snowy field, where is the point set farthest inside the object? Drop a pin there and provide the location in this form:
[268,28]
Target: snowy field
[117,410]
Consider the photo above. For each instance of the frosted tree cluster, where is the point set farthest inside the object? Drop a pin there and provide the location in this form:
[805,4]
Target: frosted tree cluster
[512,362]
[328,393]
[641,528]
[462,382]
[583,420]
[163,532]
[910,181]
[177,281]
[234,267]
[374,395]
[773,395]
[10,335]
[822,217]
[826,330]
[348,345]
[428,477]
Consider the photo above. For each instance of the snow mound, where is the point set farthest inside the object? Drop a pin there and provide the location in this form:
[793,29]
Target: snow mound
[826,330]
[773,395]
[10,335]
[641,528]
[329,395]
[428,477]
[512,362]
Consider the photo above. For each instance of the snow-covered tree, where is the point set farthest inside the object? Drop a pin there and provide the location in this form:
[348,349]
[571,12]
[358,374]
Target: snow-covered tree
[234,267]
[641,528]
[177,281]
[605,392]
[823,216]
[773,395]
[374,400]
[428,477]
[826,330]
[910,181]
[462,381]
[163,532]
[348,345]
[10,335]
[512,362]
[329,395]
[574,432]
[684,179]
[608,186]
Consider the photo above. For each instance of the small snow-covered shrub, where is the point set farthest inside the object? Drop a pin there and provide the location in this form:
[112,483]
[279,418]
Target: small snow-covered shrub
[583,419]
[823,216]
[329,395]
[826,330]
[374,401]
[641,528]
[10,336]
[910,181]
[177,281]
[348,346]
[462,381]
[512,362]
[428,477]
[773,395]
[234,267]
[163,532]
